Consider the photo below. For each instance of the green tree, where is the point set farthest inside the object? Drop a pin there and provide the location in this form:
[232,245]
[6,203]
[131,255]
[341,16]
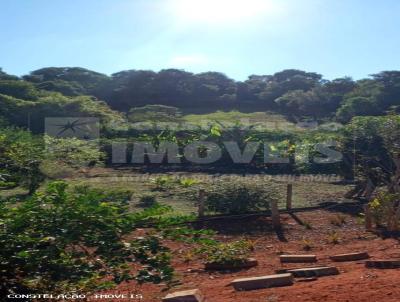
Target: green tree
[69,80]
[19,89]
[6,77]
[357,106]
[372,145]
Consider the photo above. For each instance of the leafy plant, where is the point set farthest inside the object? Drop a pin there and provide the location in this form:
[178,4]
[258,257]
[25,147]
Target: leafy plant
[188,256]
[307,245]
[187,182]
[386,210]
[61,241]
[163,183]
[226,253]
[237,197]
[147,200]
[21,154]
[333,238]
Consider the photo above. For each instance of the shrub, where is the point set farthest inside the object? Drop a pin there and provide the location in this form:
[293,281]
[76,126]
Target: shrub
[357,106]
[116,196]
[21,154]
[147,200]
[188,182]
[386,210]
[334,238]
[62,241]
[226,253]
[239,197]
[162,183]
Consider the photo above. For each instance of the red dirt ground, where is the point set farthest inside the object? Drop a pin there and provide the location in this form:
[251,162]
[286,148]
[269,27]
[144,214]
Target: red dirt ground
[355,283]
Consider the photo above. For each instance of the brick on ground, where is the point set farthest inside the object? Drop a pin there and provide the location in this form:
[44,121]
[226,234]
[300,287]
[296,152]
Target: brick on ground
[263,282]
[382,263]
[307,272]
[350,256]
[248,263]
[297,258]
[193,295]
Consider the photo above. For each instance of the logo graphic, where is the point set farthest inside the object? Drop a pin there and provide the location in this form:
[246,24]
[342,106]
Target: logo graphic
[86,128]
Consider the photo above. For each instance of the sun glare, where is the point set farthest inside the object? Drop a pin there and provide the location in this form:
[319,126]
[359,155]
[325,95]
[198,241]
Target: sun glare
[219,11]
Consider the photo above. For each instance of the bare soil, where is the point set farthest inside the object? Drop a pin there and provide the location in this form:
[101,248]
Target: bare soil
[355,283]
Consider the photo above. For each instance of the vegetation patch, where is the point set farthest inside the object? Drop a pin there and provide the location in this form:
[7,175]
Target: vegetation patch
[236,197]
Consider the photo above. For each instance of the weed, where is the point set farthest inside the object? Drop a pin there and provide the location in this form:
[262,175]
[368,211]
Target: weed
[222,253]
[360,218]
[385,210]
[187,182]
[307,245]
[188,256]
[147,201]
[333,238]
[163,183]
[338,220]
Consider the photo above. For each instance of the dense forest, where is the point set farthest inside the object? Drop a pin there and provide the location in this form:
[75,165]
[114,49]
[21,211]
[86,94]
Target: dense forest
[299,95]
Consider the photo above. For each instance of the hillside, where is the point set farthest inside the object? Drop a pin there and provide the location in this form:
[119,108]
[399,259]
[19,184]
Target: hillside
[296,94]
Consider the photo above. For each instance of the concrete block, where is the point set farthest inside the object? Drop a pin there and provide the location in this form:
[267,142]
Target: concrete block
[298,258]
[263,282]
[382,264]
[193,295]
[248,263]
[350,257]
[319,271]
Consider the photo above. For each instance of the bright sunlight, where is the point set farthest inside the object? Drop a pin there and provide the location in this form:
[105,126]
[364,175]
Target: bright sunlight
[220,12]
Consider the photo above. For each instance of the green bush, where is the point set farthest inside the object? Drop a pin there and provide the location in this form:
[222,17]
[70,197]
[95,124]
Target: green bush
[235,197]
[61,241]
[147,200]
[188,182]
[116,196]
[163,183]
[385,209]
[233,253]
[21,154]
[27,159]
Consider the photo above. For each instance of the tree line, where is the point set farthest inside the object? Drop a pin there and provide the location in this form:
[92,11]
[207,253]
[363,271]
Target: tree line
[294,93]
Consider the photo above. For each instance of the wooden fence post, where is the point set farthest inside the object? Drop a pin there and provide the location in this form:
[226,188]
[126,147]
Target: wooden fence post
[368,217]
[201,203]
[275,215]
[289,195]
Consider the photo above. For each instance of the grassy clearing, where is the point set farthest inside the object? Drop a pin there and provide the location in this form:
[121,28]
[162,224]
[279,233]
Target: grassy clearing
[174,191]
[261,120]
[180,189]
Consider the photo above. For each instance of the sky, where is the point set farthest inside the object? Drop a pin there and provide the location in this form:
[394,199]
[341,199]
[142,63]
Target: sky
[237,37]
